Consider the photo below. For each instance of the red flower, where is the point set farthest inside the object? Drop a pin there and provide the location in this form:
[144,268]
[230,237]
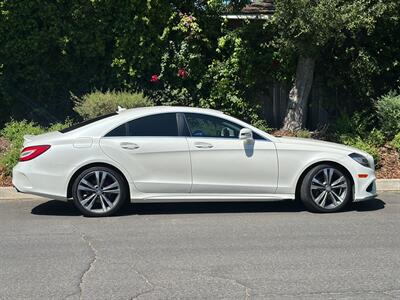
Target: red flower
[182,73]
[154,78]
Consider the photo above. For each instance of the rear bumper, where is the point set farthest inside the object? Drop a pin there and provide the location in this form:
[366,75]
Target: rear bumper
[25,180]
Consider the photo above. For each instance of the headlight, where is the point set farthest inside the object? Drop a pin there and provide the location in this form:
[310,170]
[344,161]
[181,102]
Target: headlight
[362,160]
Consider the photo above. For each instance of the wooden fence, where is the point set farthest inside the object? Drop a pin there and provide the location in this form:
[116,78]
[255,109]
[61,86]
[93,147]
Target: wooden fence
[324,105]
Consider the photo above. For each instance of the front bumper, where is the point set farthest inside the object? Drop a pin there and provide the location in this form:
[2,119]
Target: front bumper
[366,198]
[365,188]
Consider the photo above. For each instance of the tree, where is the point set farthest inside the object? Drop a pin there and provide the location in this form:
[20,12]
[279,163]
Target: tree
[51,48]
[306,27]
[366,67]
[47,49]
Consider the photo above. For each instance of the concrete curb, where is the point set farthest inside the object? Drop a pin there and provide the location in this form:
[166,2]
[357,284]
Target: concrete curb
[9,193]
[388,185]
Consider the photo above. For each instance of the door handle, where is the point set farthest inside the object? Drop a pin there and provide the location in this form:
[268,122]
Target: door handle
[129,146]
[203,145]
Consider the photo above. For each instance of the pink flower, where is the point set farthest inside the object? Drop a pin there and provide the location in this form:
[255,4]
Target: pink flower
[182,73]
[154,78]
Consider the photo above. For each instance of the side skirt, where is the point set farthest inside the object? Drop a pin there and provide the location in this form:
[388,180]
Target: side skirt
[148,198]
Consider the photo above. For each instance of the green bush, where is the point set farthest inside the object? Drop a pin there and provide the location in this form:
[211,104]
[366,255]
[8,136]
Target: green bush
[98,103]
[396,141]
[9,160]
[60,126]
[14,131]
[356,124]
[303,134]
[364,145]
[262,125]
[355,131]
[388,111]
[376,138]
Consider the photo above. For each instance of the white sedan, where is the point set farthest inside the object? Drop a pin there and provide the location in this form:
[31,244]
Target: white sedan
[174,154]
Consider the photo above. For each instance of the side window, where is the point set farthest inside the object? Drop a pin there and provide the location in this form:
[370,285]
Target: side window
[119,131]
[154,125]
[209,126]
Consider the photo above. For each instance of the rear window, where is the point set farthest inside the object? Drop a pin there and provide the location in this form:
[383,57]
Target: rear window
[87,122]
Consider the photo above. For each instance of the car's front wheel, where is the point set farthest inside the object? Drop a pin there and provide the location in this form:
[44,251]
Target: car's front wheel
[99,191]
[326,188]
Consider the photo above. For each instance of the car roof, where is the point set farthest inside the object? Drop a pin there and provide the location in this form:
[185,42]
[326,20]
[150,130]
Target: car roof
[164,109]
[101,127]
[124,115]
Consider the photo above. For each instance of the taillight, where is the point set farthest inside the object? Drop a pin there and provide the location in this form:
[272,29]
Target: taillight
[31,152]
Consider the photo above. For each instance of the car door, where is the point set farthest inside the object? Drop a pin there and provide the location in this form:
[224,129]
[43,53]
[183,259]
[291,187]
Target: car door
[156,157]
[221,163]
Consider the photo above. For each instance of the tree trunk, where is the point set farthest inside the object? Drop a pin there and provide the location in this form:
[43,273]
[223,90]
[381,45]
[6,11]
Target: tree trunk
[296,112]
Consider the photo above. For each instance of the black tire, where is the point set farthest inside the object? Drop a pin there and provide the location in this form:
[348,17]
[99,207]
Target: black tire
[309,189]
[111,176]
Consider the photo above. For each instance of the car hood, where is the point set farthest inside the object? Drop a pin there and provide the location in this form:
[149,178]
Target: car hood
[320,144]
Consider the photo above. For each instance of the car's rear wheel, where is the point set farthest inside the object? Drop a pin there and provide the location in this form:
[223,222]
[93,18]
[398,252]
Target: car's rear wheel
[99,191]
[326,188]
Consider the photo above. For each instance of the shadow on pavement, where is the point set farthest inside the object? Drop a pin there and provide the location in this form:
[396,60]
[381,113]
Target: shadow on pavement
[212,207]
[62,208]
[56,208]
[370,205]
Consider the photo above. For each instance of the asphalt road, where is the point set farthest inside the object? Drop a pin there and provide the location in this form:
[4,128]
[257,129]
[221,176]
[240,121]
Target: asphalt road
[200,251]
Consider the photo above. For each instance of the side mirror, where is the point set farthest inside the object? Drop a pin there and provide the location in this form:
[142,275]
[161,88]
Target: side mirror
[246,134]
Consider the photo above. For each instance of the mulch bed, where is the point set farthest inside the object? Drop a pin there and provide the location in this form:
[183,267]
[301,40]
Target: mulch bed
[4,144]
[282,132]
[5,180]
[389,164]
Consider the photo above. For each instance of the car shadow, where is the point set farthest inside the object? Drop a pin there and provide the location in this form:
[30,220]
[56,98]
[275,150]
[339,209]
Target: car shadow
[56,208]
[369,205]
[63,208]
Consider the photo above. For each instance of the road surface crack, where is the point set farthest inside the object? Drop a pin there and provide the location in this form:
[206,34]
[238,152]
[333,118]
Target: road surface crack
[146,280]
[90,265]
[142,293]
[247,289]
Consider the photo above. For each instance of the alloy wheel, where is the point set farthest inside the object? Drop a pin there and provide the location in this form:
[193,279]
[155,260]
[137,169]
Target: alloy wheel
[329,188]
[98,191]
